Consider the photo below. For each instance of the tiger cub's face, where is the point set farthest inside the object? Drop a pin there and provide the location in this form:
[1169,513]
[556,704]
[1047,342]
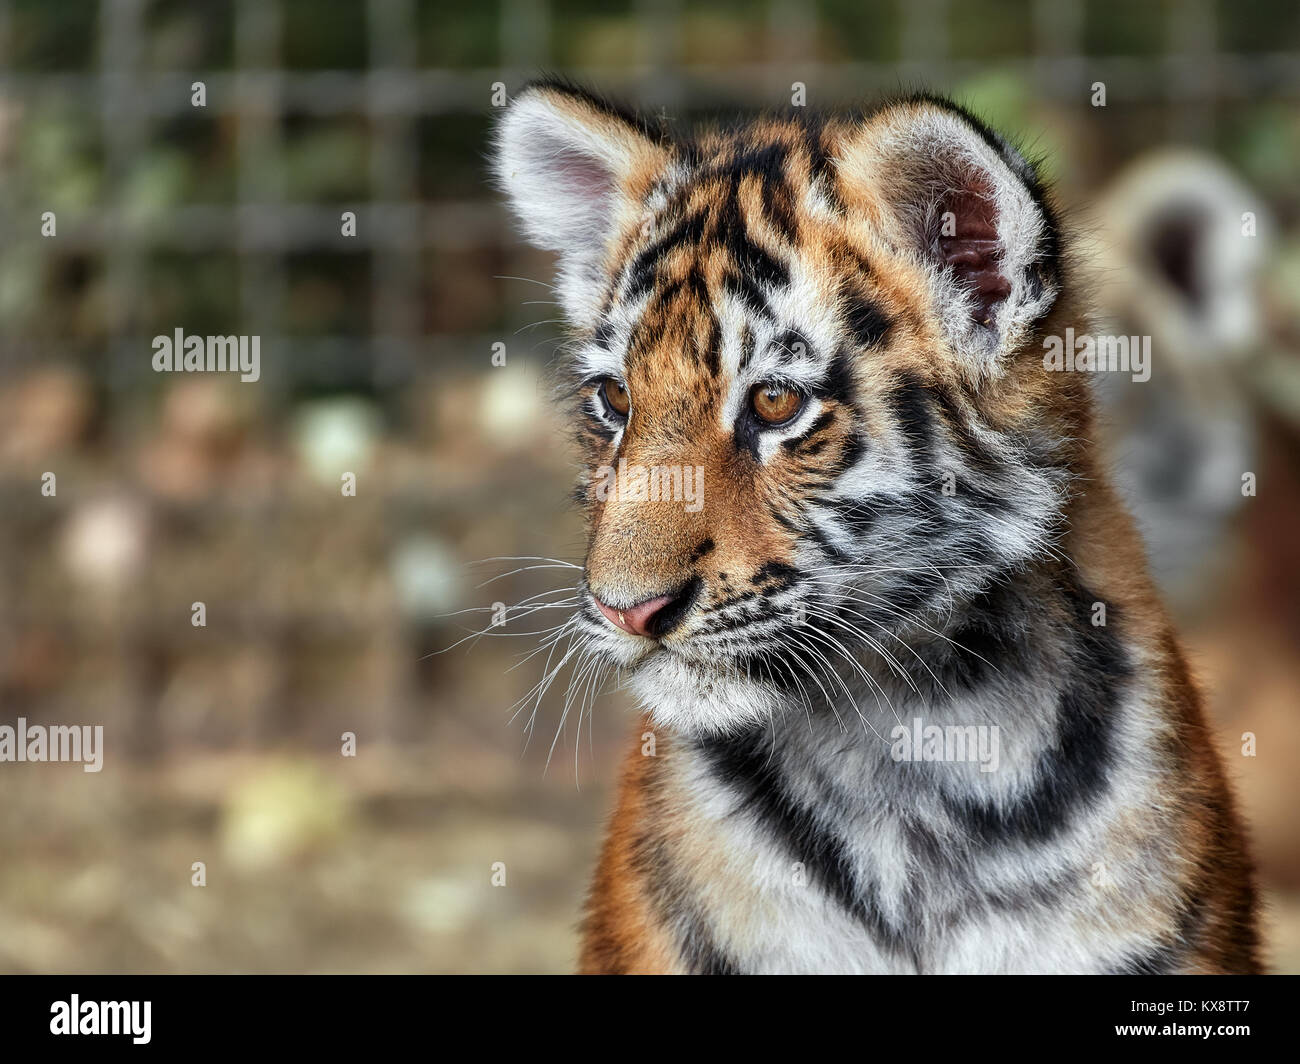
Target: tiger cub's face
[808,381]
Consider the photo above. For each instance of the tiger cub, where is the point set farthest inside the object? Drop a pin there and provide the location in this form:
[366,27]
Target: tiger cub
[911,703]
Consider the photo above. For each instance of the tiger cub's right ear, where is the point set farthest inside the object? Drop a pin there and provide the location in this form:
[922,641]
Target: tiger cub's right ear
[951,195]
[577,172]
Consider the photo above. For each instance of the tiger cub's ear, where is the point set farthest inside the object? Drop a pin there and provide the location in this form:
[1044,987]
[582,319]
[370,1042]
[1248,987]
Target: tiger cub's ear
[944,190]
[576,171]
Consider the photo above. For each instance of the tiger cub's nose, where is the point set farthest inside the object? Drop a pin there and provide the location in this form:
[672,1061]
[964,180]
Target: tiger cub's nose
[652,617]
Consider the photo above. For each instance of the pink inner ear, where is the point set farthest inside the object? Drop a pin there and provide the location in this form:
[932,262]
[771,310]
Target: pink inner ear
[583,175]
[973,252]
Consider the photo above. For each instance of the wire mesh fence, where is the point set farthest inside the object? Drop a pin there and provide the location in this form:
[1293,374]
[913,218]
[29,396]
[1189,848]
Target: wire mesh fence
[263,218]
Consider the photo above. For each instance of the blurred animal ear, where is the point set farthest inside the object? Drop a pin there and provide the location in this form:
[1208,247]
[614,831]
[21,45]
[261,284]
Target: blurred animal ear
[576,172]
[947,192]
[1177,263]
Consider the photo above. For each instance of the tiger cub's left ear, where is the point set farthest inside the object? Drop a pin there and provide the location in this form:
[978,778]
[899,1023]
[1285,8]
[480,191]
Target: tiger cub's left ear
[577,171]
[944,190]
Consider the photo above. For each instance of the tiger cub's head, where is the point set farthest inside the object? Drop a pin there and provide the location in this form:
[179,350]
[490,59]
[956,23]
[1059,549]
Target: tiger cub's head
[808,380]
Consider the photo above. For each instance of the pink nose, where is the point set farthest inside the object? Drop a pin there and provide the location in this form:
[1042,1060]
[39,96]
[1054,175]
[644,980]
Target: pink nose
[635,619]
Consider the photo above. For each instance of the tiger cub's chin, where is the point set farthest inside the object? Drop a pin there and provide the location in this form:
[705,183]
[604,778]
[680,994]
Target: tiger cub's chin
[696,699]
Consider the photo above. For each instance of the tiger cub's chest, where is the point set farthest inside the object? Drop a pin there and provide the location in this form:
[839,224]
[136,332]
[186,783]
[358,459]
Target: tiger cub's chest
[792,863]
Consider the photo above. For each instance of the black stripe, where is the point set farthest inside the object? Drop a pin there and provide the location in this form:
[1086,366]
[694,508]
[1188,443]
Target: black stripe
[961,433]
[819,536]
[779,209]
[705,546]
[856,514]
[748,345]
[653,863]
[788,346]
[914,418]
[917,591]
[805,447]
[799,443]
[748,766]
[1072,772]
[700,954]
[820,170]
[753,262]
[992,642]
[779,573]
[766,161]
[868,323]
[855,447]
[743,288]
[839,383]
[693,284]
[642,271]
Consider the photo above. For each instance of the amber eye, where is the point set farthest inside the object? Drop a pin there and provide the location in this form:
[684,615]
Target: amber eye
[615,394]
[775,405]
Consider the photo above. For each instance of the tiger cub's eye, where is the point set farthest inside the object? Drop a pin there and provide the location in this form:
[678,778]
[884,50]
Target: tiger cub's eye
[775,405]
[615,393]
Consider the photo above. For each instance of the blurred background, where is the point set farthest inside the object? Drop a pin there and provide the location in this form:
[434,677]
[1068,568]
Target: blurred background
[325,614]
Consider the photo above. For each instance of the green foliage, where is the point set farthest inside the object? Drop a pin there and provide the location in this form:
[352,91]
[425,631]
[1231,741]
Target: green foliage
[198,292]
[189,34]
[453,34]
[1265,142]
[53,36]
[61,162]
[865,30]
[1006,102]
[990,32]
[1125,28]
[324,35]
[326,160]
